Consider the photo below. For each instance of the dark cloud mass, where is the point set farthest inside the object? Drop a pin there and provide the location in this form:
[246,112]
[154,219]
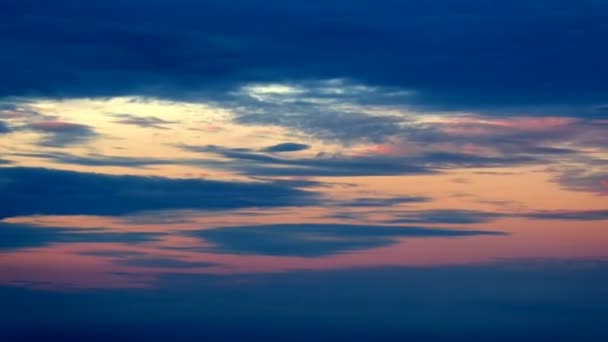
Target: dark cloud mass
[15,236]
[316,239]
[286,147]
[455,54]
[31,191]
[383,170]
[4,128]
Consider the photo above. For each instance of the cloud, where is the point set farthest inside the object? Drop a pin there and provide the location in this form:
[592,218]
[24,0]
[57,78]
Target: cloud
[13,109]
[16,236]
[456,55]
[32,191]
[323,122]
[98,160]
[261,165]
[574,215]
[60,133]
[552,136]
[446,216]
[314,240]
[383,201]
[460,216]
[266,165]
[142,121]
[584,178]
[155,262]
[286,147]
[4,128]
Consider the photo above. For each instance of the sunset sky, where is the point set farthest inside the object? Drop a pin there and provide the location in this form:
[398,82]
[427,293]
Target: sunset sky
[315,170]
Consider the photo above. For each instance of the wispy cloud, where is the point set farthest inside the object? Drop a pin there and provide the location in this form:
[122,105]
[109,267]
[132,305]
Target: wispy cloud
[61,133]
[142,121]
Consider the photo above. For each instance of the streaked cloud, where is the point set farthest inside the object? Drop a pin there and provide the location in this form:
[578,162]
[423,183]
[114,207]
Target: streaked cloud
[314,240]
[142,121]
[15,236]
[35,191]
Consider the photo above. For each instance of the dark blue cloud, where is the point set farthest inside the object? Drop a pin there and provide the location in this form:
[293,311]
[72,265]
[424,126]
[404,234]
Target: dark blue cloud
[286,147]
[16,236]
[316,239]
[30,191]
[337,166]
[4,128]
[467,54]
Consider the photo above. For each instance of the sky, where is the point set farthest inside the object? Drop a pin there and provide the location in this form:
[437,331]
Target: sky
[304,170]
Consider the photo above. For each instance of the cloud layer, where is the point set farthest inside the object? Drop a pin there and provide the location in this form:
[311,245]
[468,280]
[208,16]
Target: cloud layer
[455,55]
[32,191]
[316,239]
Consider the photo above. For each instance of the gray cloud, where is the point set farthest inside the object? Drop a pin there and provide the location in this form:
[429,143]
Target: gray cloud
[324,123]
[60,134]
[583,178]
